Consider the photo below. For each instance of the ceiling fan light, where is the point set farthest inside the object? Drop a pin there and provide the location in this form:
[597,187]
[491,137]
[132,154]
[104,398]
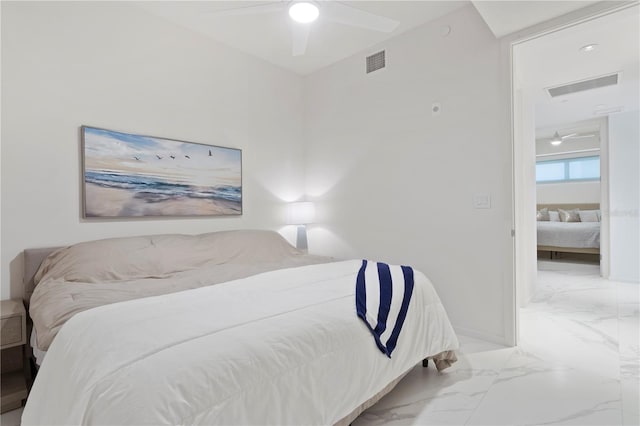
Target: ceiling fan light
[589,48]
[304,12]
[556,140]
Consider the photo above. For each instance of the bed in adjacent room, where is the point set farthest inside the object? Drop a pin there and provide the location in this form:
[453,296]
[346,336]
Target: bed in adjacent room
[568,228]
[232,327]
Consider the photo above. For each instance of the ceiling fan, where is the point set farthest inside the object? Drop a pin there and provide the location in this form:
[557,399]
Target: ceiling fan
[303,13]
[557,139]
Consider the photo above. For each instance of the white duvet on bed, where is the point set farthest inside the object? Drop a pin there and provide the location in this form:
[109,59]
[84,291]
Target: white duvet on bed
[282,347]
[569,234]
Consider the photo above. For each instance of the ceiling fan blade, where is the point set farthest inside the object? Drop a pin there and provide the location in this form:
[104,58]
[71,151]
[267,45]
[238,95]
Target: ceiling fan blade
[299,38]
[581,136]
[568,136]
[252,10]
[343,14]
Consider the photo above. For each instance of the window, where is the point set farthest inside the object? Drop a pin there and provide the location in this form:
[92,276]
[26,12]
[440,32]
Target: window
[568,170]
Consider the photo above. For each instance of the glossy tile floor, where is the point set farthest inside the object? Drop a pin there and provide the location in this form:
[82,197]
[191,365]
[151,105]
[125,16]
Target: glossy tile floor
[577,364]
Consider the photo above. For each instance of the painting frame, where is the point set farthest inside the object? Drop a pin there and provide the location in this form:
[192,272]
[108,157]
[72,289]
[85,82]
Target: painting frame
[123,186]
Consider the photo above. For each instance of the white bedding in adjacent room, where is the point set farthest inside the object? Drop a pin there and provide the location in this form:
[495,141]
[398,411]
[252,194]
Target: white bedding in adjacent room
[569,234]
[281,347]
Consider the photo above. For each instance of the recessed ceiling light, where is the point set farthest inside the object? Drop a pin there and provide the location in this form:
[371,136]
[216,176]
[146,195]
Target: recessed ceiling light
[588,48]
[304,12]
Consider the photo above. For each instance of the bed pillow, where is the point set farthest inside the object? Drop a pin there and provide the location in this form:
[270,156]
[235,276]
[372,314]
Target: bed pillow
[589,215]
[159,256]
[543,215]
[554,216]
[569,215]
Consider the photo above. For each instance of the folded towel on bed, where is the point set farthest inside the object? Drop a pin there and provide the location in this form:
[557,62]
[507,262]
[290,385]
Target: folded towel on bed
[383,293]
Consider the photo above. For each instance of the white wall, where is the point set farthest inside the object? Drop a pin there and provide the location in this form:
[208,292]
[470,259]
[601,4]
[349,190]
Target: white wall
[109,65]
[624,196]
[569,192]
[395,183]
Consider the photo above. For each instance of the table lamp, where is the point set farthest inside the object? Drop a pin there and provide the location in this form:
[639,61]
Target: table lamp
[301,213]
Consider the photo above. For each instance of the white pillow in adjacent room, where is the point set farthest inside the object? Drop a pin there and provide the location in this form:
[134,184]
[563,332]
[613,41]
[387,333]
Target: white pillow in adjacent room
[543,215]
[589,216]
[554,216]
[569,215]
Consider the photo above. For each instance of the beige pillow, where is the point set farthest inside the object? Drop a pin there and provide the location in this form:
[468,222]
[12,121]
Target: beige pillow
[543,215]
[569,215]
[158,256]
[589,216]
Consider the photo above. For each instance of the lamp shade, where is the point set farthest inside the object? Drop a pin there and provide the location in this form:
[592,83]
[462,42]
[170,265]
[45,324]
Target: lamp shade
[301,213]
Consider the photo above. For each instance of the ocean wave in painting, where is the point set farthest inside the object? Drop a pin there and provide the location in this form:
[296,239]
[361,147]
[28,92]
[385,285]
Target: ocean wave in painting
[154,189]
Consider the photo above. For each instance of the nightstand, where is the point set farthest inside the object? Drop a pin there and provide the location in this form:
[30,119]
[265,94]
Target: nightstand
[13,336]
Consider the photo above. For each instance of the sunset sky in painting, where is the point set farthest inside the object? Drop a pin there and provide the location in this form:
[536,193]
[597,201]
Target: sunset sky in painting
[116,152]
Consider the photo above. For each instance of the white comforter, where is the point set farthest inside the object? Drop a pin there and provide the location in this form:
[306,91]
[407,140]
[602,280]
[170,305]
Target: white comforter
[569,234]
[282,347]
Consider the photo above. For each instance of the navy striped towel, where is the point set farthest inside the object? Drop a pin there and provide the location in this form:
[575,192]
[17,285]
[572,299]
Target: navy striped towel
[383,293]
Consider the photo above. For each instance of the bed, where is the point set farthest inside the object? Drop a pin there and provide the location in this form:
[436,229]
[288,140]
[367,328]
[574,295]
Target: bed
[223,328]
[569,237]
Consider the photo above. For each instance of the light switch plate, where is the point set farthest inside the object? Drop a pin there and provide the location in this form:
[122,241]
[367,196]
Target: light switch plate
[482,201]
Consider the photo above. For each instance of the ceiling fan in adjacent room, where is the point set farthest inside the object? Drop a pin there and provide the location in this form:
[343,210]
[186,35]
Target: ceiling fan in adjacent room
[303,13]
[557,139]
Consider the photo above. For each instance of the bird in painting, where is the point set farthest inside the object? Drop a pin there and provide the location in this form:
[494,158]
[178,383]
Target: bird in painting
[159,158]
[172,157]
[186,156]
[137,159]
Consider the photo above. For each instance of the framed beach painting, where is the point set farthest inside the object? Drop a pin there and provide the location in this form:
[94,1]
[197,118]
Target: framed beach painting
[127,175]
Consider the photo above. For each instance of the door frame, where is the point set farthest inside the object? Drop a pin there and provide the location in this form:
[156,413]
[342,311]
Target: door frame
[519,162]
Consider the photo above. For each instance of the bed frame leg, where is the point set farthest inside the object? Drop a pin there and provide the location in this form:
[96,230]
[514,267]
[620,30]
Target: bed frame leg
[425,362]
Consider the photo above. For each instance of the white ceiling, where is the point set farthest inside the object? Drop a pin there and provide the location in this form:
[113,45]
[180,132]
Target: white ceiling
[506,17]
[268,36]
[556,59]
[544,62]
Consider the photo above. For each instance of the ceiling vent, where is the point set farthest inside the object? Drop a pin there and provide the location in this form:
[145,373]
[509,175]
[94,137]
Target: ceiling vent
[375,62]
[581,86]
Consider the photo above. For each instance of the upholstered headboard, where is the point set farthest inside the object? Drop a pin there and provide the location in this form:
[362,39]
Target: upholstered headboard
[32,260]
[585,206]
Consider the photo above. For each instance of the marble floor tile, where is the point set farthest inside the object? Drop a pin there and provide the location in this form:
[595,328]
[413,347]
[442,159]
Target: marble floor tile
[533,391]
[629,329]
[425,396]
[564,340]
[628,292]
[578,362]
[630,391]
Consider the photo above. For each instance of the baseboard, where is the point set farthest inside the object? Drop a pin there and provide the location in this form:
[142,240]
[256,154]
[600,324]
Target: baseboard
[493,338]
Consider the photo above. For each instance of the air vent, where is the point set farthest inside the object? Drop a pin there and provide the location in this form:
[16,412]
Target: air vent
[375,62]
[581,86]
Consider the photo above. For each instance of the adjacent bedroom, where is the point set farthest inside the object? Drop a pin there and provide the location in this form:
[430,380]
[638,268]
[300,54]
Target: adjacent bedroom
[349,213]
[568,194]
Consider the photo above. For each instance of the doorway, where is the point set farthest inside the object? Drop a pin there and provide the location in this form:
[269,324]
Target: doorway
[549,105]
